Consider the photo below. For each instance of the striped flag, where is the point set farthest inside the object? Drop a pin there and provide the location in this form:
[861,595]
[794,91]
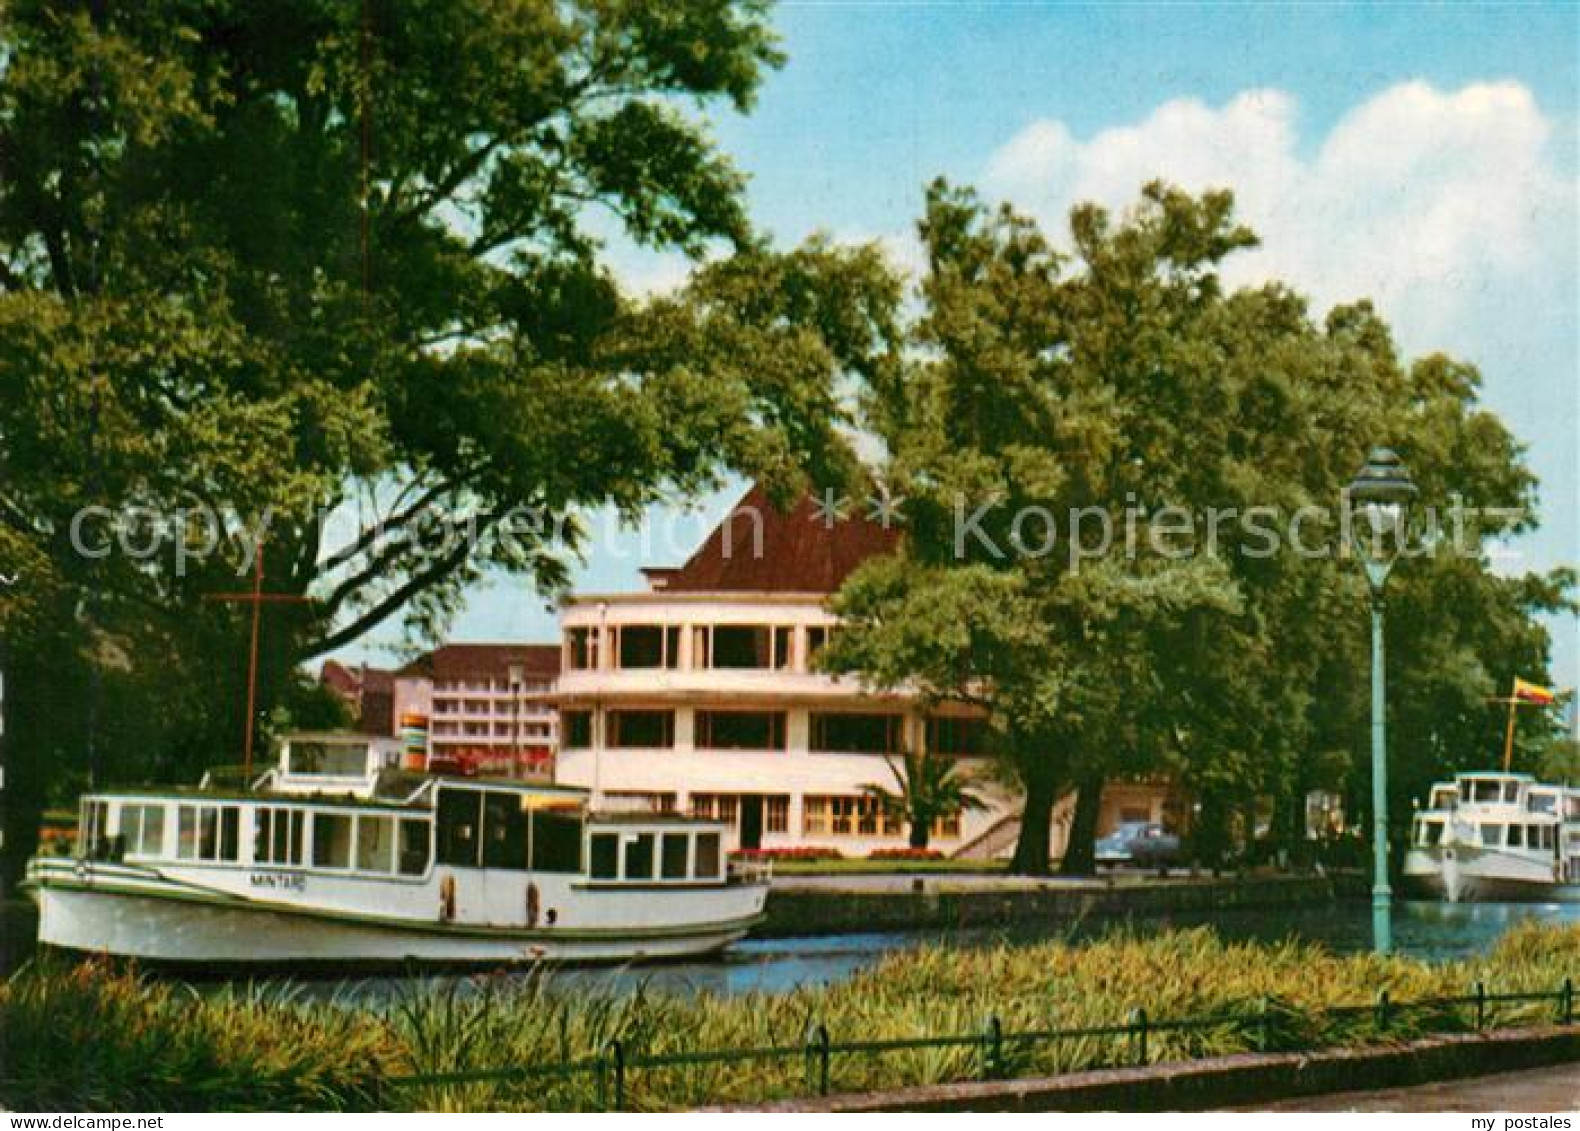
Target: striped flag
[1532,693]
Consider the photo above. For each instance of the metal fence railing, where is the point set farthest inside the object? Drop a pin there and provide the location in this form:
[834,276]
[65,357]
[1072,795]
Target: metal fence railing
[612,1066]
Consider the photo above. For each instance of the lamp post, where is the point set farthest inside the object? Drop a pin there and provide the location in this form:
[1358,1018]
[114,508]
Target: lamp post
[1379,498]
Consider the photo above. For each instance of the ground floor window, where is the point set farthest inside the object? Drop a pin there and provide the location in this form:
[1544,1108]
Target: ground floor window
[847,816]
[638,800]
[722,807]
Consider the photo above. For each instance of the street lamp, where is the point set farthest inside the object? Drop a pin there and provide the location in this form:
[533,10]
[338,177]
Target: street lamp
[1379,500]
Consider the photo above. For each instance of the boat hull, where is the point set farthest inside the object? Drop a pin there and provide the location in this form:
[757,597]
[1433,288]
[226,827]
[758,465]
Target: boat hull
[168,928]
[1467,875]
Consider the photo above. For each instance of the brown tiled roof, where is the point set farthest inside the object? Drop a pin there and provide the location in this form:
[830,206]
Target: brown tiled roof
[493,661]
[337,677]
[759,548]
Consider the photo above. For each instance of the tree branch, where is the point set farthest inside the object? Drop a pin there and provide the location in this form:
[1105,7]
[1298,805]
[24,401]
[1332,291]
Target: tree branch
[391,604]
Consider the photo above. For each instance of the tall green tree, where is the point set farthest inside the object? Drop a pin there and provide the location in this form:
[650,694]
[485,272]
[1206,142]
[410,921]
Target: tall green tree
[270,261]
[1041,391]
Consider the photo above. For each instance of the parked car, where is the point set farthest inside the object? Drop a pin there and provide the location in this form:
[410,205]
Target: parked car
[1140,843]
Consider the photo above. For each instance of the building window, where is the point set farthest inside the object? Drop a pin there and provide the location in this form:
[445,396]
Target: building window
[847,816]
[947,828]
[581,648]
[635,801]
[641,729]
[776,814]
[756,646]
[817,636]
[647,646]
[722,807]
[577,726]
[852,733]
[740,730]
[956,736]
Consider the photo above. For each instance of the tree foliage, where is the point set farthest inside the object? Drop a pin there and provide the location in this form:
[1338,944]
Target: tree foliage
[1041,392]
[276,261]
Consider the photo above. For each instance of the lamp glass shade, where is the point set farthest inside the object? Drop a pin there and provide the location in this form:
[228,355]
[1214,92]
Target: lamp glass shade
[1380,497]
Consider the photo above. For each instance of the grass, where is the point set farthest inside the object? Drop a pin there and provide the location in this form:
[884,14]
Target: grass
[88,1037]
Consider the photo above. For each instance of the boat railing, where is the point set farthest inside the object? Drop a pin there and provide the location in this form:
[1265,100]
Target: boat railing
[743,871]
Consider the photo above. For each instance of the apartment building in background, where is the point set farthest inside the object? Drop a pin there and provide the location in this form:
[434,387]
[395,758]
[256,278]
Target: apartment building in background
[476,709]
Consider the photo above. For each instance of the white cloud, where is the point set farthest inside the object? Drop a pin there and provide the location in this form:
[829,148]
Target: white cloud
[1418,198]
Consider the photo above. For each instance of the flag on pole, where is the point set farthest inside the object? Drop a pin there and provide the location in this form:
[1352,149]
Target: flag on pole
[1532,693]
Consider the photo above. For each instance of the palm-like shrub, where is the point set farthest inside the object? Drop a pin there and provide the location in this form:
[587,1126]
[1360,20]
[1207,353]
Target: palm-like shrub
[927,790]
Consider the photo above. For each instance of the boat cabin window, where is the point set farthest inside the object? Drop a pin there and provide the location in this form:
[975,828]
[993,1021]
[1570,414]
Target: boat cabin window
[331,840]
[208,832]
[328,759]
[639,856]
[504,830]
[1517,836]
[1542,802]
[604,856]
[1444,798]
[556,840]
[414,846]
[708,857]
[1544,836]
[375,843]
[1430,833]
[644,853]
[277,835]
[1492,835]
[672,859]
[460,816]
[143,830]
[1484,790]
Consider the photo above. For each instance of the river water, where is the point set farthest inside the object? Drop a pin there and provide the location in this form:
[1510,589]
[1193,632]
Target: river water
[1436,931]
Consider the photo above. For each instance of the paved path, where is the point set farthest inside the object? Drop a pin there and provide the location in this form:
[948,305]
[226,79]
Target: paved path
[1536,1090]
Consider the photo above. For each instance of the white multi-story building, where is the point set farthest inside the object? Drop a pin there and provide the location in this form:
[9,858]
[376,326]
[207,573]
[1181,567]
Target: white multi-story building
[699,695]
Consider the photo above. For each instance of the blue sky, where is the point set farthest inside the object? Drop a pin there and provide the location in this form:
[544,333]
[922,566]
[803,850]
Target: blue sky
[1420,154]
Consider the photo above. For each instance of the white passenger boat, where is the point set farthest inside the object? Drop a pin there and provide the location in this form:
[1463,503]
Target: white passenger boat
[1496,837]
[336,856]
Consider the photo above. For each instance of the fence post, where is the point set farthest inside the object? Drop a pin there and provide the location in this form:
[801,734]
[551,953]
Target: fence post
[612,1064]
[1481,1005]
[817,1058]
[1567,1001]
[993,1049]
[1138,1026]
[1382,1009]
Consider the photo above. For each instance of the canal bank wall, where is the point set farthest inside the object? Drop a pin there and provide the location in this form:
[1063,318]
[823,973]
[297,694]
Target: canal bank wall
[836,905]
[1241,1080]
